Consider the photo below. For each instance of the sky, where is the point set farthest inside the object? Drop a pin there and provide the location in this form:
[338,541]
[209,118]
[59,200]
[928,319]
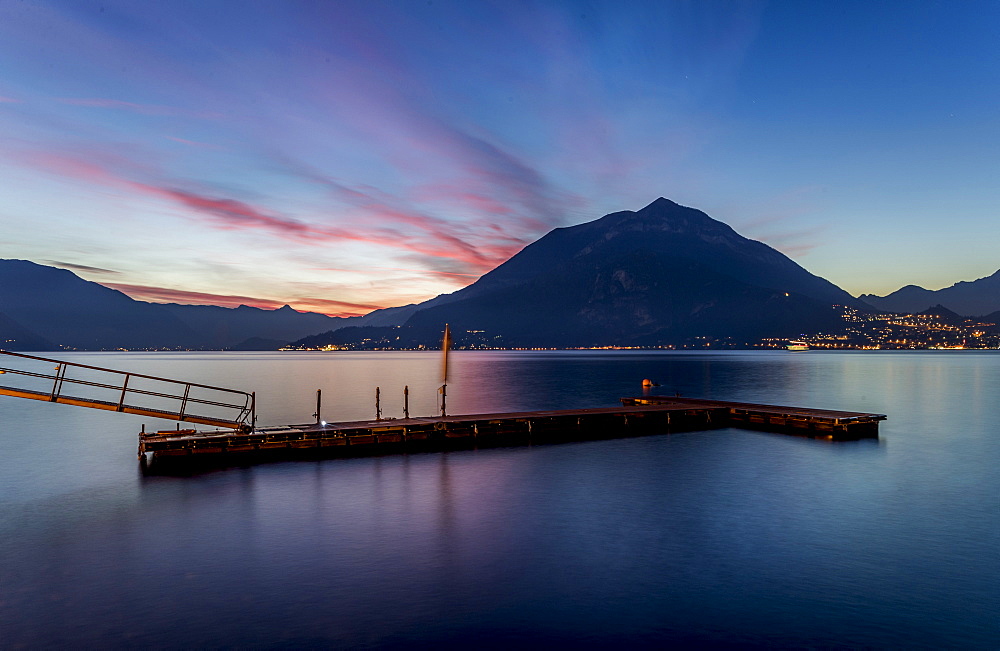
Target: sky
[343,156]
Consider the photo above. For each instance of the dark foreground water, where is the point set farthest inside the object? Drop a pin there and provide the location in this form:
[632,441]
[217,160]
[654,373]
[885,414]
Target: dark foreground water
[726,538]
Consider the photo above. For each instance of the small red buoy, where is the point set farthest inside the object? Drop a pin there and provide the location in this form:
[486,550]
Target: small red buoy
[647,382]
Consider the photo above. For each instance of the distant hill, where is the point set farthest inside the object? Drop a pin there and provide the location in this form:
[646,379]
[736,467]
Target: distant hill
[660,275]
[224,327]
[973,298]
[14,336]
[944,314]
[370,336]
[71,312]
[993,317]
[53,308]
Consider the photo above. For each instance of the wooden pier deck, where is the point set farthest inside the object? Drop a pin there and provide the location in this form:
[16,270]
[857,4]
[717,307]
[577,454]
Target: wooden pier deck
[839,424]
[636,417]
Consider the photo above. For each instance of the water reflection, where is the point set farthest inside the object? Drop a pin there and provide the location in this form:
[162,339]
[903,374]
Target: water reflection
[725,538]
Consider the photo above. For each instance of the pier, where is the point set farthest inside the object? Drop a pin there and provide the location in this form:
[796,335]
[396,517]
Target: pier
[640,416]
[818,423]
[233,414]
[95,387]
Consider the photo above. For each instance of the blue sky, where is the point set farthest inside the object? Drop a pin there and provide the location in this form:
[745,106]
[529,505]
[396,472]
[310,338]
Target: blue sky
[344,156]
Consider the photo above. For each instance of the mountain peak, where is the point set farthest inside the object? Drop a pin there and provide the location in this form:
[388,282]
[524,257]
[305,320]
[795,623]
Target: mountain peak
[661,202]
[660,215]
[664,232]
[941,311]
[687,229]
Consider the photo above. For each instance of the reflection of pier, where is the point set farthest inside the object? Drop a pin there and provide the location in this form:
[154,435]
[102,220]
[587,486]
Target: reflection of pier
[637,417]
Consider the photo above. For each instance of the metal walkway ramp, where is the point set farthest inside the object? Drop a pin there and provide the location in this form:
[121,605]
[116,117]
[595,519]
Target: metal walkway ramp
[27,376]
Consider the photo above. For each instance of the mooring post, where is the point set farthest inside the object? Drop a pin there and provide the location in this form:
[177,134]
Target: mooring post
[378,404]
[406,401]
[319,404]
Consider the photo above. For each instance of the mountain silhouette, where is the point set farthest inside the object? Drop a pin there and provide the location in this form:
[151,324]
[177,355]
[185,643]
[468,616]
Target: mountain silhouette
[52,308]
[669,229]
[14,336]
[968,298]
[944,314]
[250,328]
[665,274]
[661,275]
[71,312]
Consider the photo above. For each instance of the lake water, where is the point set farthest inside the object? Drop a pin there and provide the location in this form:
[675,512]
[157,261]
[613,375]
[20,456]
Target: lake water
[726,538]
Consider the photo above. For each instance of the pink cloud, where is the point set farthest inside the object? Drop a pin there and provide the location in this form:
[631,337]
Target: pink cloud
[337,308]
[457,239]
[167,295]
[390,110]
[462,277]
[233,214]
[439,242]
[70,166]
[230,213]
[479,203]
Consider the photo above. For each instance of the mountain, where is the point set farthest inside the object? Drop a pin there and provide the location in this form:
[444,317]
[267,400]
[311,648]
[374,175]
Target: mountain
[663,274]
[670,229]
[944,314]
[993,317]
[14,336]
[642,298]
[225,327]
[54,308]
[393,316]
[365,336]
[71,312]
[972,298]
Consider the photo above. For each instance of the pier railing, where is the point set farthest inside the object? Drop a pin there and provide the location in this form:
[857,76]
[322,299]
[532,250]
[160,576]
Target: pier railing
[83,385]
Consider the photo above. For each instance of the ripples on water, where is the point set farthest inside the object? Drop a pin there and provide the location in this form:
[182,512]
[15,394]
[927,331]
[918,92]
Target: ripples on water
[724,538]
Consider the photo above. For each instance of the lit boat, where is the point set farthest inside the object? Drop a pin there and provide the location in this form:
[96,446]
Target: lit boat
[798,345]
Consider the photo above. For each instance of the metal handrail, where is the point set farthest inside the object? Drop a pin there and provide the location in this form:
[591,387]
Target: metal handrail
[247,410]
[125,384]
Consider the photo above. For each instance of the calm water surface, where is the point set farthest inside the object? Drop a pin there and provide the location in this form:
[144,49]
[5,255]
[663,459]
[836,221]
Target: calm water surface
[726,538]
